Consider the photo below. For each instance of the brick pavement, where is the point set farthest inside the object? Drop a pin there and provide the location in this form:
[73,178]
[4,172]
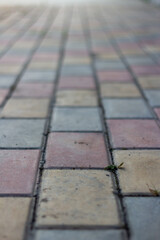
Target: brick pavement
[80,90]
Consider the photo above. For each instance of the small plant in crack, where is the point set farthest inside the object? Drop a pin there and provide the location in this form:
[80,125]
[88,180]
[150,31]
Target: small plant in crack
[114,167]
[154,191]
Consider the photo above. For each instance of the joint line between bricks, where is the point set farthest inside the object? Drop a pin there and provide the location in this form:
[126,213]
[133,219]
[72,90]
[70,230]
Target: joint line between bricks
[47,127]
[105,130]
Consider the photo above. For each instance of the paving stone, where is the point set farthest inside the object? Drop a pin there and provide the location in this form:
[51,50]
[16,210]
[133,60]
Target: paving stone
[111,56]
[21,133]
[145,70]
[38,76]
[74,53]
[152,49]
[157,110]
[81,150]
[114,76]
[42,65]
[76,71]
[126,108]
[140,169]
[76,74]
[10,69]
[12,59]
[153,97]
[71,47]
[76,98]
[19,52]
[7,81]
[42,56]
[79,234]
[119,90]
[137,61]
[134,133]
[77,197]
[3,95]
[76,83]
[25,108]
[110,65]
[77,60]
[33,90]
[76,119]
[150,82]
[14,212]
[18,170]
[132,52]
[144,218]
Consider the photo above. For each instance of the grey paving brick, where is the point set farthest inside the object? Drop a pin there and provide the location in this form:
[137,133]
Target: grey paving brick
[76,119]
[139,60]
[7,81]
[76,71]
[144,217]
[72,46]
[16,52]
[110,65]
[49,49]
[38,76]
[21,133]
[80,235]
[153,97]
[126,108]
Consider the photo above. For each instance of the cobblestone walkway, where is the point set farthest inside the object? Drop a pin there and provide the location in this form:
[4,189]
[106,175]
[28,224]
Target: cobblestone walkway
[80,90]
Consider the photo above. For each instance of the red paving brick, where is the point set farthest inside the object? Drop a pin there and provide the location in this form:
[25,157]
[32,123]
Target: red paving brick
[145,70]
[3,94]
[18,170]
[76,83]
[81,150]
[157,110]
[114,76]
[134,133]
[33,90]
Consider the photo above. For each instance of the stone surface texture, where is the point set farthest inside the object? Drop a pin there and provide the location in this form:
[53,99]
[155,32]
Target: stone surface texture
[77,197]
[79,91]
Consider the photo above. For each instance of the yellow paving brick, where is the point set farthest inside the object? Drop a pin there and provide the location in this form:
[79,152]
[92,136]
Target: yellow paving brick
[10,69]
[119,90]
[132,51]
[77,197]
[42,65]
[149,82]
[108,56]
[25,108]
[14,213]
[141,168]
[76,98]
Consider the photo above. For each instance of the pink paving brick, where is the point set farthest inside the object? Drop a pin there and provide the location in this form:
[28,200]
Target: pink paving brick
[128,45]
[33,90]
[100,50]
[114,76]
[123,49]
[76,83]
[157,110]
[45,56]
[17,171]
[83,150]
[12,60]
[134,133]
[145,70]
[3,94]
